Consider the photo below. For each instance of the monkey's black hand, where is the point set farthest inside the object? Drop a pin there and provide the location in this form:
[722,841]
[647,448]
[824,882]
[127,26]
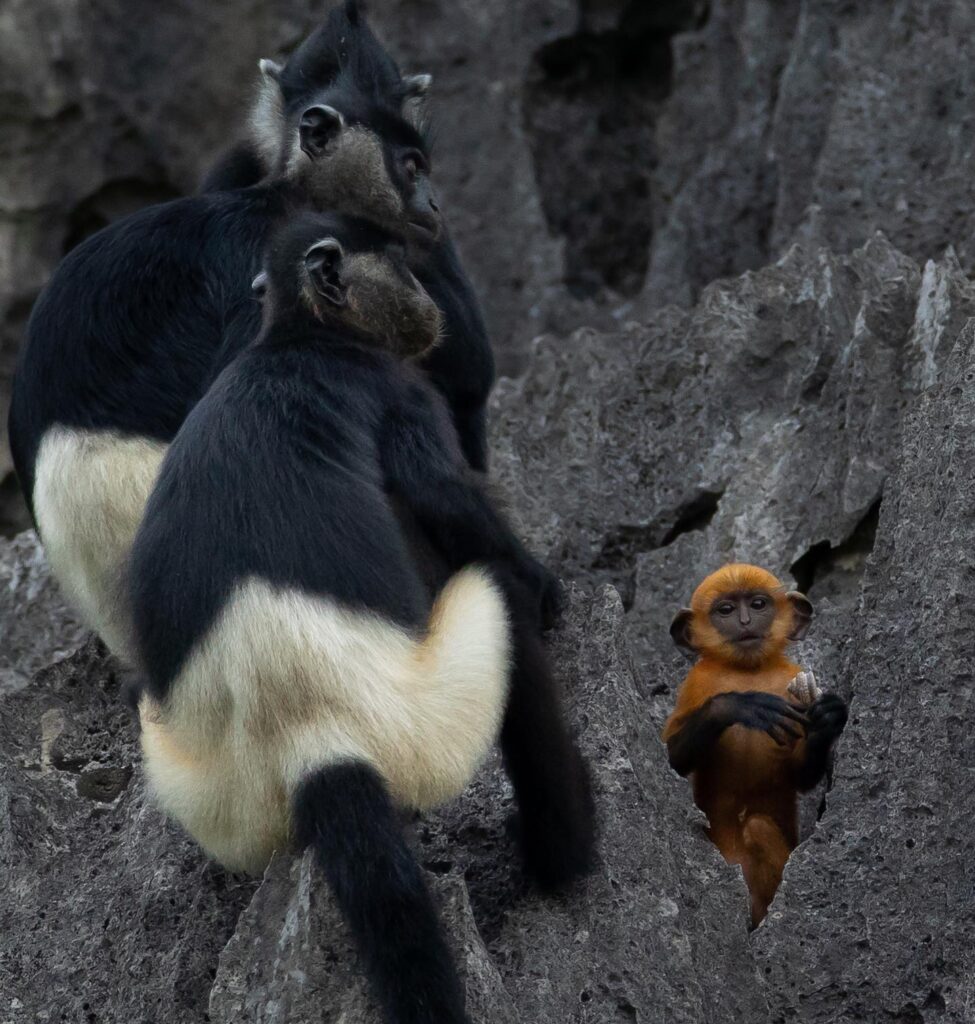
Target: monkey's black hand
[766,712]
[827,717]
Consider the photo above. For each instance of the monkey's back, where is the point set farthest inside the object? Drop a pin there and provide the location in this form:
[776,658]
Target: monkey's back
[274,476]
[125,334]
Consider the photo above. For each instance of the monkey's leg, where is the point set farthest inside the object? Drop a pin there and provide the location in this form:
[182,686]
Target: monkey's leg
[766,851]
[345,814]
[557,820]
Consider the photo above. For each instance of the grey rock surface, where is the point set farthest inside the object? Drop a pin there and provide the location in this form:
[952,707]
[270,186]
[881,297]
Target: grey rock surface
[821,119]
[36,625]
[883,893]
[106,912]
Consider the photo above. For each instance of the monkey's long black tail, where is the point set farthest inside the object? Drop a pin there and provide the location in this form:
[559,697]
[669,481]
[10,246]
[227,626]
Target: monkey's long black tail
[345,814]
[556,811]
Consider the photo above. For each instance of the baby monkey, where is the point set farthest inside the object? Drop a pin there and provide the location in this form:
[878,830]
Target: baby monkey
[750,728]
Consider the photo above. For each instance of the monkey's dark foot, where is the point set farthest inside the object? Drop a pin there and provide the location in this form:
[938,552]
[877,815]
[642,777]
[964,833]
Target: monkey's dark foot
[546,593]
[552,602]
[558,837]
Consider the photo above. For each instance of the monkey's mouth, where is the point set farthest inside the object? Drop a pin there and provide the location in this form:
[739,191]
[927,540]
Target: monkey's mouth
[424,231]
[749,640]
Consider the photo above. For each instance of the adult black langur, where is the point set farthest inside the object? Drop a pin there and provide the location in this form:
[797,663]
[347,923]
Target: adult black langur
[342,56]
[300,682]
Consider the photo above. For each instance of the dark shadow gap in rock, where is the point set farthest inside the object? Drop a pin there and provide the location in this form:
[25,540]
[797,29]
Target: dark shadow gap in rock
[695,515]
[621,547]
[825,567]
[14,517]
[590,105]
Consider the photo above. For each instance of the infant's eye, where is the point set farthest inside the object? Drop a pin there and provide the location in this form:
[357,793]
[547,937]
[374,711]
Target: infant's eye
[759,603]
[725,609]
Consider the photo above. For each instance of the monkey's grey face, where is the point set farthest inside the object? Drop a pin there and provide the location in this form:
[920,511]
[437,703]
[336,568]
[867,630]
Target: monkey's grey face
[744,619]
[373,292]
[348,168]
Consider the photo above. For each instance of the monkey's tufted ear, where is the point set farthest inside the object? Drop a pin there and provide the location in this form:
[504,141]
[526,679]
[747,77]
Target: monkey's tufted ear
[270,69]
[317,127]
[680,633]
[323,262]
[415,86]
[802,613]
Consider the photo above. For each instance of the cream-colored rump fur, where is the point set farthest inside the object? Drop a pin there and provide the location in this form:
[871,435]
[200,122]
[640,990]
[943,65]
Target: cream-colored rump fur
[90,491]
[286,682]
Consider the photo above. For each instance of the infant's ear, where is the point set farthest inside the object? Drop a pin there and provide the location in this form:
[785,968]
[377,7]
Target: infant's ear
[802,613]
[680,633]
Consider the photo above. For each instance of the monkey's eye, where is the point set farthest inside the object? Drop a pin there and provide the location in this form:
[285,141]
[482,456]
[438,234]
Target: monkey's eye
[759,603]
[725,608]
[414,165]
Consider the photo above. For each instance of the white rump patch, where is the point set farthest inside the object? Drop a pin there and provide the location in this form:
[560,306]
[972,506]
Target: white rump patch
[90,491]
[284,683]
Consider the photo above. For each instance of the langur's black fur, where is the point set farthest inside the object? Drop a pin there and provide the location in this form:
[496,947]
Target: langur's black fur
[337,63]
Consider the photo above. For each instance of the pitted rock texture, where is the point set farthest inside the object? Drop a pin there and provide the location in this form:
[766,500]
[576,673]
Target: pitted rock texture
[107,913]
[36,624]
[883,892]
[821,118]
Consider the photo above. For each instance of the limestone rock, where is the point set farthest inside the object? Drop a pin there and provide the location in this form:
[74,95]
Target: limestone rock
[36,625]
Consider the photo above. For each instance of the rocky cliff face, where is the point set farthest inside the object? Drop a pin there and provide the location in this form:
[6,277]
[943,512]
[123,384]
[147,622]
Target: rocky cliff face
[811,410]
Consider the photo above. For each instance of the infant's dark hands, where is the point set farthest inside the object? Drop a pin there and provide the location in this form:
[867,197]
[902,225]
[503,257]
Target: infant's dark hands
[765,712]
[827,716]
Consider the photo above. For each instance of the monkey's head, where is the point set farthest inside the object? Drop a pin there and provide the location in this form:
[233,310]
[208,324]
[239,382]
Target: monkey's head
[339,271]
[340,120]
[742,615]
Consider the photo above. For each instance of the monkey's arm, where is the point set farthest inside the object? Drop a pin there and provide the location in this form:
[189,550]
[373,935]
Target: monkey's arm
[236,167]
[429,475]
[826,720]
[691,736]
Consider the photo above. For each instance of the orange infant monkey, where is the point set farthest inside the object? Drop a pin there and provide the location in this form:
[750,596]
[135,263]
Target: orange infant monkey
[749,739]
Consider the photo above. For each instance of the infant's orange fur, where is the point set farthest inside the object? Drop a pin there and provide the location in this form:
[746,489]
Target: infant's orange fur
[746,785]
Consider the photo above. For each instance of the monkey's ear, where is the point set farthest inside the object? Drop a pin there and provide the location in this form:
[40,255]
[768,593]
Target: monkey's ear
[680,633]
[415,86]
[317,127]
[802,613]
[270,69]
[323,262]
[259,285]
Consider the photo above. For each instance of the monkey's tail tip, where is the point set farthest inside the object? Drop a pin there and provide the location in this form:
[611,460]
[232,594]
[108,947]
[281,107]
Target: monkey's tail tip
[559,840]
